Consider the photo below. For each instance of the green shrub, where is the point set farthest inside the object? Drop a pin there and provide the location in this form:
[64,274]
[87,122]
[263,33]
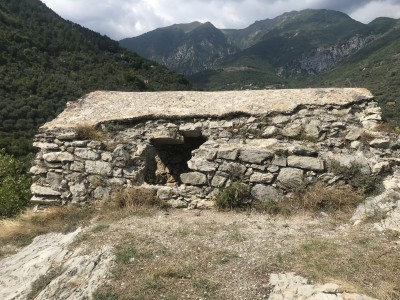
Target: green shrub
[14,186]
[233,196]
[354,176]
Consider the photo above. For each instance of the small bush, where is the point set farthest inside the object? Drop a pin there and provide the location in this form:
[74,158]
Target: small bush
[353,175]
[233,196]
[14,186]
[88,132]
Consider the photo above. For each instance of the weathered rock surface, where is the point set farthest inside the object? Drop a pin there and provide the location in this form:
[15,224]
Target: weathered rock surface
[50,253]
[291,177]
[263,192]
[98,107]
[303,162]
[194,178]
[386,204]
[291,286]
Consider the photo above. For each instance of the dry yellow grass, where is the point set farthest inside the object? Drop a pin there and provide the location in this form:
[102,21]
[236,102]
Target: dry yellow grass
[21,230]
[88,132]
[330,199]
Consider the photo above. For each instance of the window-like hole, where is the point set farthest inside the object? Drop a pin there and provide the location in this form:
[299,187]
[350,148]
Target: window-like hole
[168,161]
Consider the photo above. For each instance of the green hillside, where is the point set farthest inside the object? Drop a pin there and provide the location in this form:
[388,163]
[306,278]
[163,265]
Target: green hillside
[376,67]
[46,61]
[185,48]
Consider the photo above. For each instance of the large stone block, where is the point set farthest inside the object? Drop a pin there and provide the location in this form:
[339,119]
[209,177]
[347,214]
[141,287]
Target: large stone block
[354,134]
[46,146]
[201,164]
[261,177]
[98,167]
[208,154]
[53,157]
[43,190]
[263,192]
[218,181]
[254,155]
[54,179]
[194,178]
[78,190]
[308,163]
[383,143]
[228,153]
[291,177]
[86,154]
[292,130]
[233,169]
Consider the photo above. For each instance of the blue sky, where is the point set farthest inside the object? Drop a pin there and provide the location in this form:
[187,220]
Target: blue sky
[127,18]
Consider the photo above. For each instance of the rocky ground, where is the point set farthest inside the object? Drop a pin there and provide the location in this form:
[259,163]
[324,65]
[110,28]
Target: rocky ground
[193,254]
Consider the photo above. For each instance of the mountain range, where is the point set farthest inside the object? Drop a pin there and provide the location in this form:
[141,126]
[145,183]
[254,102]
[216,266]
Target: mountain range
[307,48]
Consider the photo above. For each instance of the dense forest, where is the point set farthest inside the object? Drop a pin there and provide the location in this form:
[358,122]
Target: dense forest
[46,61]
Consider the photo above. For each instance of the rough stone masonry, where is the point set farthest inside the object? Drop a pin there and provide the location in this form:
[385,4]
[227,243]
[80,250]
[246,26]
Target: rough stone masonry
[186,146]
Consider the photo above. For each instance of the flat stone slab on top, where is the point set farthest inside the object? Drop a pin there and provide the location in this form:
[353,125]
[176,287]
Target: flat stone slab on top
[102,106]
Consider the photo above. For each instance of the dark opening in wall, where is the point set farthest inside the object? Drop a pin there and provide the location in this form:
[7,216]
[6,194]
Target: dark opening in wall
[166,162]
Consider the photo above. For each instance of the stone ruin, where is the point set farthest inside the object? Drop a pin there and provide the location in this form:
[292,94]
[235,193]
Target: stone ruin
[186,146]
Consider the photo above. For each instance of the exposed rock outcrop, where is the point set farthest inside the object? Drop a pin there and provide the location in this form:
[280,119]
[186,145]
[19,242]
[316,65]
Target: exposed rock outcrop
[291,286]
[324,58]
[72,274]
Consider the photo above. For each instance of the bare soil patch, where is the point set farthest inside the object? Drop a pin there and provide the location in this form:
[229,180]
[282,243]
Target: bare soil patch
[183,254]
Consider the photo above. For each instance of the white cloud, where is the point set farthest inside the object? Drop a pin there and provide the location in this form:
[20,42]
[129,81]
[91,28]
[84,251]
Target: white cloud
[375,9]
[127,18]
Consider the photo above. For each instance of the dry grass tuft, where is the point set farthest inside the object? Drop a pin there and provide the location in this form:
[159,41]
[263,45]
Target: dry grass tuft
[364,265]
[136,197]
[331,199]
[384,127]
[20,231]
[89,132]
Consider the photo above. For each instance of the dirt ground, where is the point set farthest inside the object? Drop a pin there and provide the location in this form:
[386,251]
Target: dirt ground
[193,254]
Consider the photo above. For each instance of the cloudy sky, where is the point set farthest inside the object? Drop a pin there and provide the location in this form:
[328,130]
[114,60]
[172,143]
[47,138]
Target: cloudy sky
[127,18]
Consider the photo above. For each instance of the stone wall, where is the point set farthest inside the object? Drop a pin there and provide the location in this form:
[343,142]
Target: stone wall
[187,159]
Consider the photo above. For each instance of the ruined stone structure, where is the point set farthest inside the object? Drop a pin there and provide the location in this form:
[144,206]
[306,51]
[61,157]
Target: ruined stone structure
[187,145]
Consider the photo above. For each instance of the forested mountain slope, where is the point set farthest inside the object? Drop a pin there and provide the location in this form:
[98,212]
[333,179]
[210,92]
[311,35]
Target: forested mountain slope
[46,61]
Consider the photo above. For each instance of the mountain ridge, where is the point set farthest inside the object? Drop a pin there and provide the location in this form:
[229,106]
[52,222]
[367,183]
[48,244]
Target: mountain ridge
[297,49]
